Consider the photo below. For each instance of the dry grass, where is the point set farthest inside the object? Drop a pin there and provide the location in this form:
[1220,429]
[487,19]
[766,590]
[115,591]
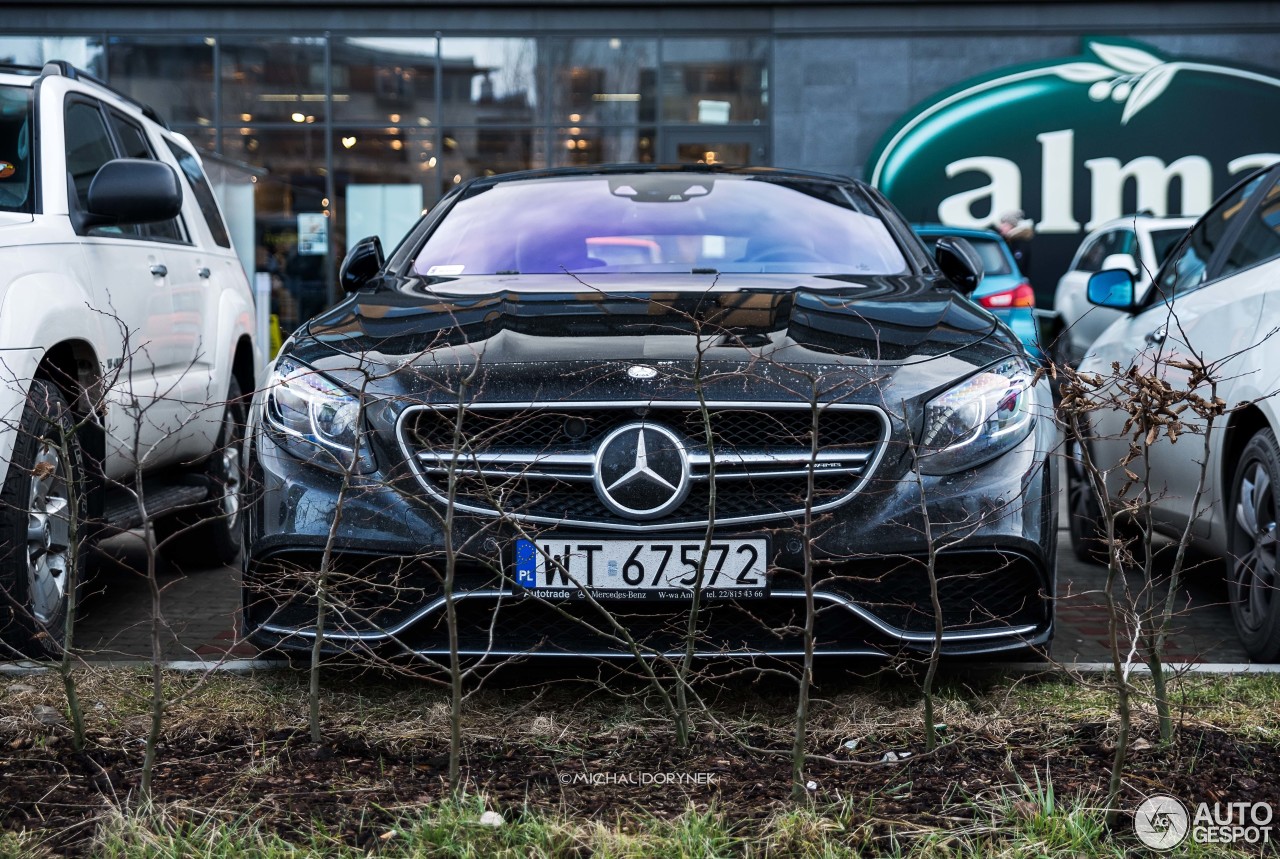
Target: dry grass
[562,718]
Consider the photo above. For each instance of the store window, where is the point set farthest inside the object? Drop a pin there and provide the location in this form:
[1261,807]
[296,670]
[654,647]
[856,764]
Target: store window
[386,80]
[470,152]
[383,179]
[715,81]
[273,80]
[83,52]
[386,124]
[602,81]
[201,138]
[488,81]
[173,74]
[577,146]
[292,211]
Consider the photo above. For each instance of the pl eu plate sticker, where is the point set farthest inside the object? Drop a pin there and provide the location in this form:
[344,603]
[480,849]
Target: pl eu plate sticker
[526,564]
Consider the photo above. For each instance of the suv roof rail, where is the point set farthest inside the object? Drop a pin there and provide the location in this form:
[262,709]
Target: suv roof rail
[62,68]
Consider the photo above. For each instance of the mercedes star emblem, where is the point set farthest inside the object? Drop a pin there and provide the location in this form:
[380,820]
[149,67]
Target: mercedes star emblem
[641,471]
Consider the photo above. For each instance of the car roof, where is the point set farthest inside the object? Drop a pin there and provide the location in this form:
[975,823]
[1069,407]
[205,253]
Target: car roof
[12,77]
[1146,222]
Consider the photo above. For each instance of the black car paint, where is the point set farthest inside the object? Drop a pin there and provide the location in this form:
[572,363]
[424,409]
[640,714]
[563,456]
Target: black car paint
[891,341]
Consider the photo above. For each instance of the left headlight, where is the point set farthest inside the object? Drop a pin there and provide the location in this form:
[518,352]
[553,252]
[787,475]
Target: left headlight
[315,418]
[979,419]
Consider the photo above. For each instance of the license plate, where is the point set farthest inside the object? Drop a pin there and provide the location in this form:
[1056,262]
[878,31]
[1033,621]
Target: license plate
[641,569]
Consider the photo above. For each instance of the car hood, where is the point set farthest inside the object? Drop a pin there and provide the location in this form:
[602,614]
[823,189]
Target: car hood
[520,329]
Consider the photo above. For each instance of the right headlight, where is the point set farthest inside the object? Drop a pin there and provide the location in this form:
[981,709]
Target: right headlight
[979,419]
[315,418]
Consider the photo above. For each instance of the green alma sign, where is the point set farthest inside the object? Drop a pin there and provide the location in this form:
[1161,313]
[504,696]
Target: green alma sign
[1076,142]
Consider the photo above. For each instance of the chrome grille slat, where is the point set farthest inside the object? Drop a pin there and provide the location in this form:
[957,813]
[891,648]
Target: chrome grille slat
[519,453]
[729,465]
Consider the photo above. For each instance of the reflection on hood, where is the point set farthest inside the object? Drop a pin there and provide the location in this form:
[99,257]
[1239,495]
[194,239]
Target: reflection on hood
[887,319]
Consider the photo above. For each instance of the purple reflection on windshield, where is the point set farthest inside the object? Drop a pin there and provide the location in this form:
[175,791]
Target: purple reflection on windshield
[661,223]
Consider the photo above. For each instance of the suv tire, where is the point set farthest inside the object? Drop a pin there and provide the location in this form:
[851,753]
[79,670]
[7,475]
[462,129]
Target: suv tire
[43,516]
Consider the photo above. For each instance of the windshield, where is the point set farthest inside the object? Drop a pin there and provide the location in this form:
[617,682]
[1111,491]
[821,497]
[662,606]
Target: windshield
[15,149]
[662,223]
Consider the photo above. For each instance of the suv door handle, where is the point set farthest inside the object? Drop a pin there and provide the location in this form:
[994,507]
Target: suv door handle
[160,270]
[204,272]
[1157,336]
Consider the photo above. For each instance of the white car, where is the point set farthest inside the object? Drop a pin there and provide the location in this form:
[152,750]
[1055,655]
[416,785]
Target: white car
[1136,243]
[1217,296]
[126,343]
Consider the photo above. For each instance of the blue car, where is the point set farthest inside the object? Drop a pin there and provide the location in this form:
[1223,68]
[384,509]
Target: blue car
[1004,289]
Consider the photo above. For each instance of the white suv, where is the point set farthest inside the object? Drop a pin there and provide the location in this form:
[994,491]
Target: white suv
[126,343]
[1136,243]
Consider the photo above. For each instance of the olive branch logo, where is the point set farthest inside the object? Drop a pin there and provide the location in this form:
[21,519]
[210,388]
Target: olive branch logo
[1130,75]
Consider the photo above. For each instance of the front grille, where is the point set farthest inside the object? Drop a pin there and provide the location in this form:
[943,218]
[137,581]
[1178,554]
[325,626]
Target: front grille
[535,462]
[565,428]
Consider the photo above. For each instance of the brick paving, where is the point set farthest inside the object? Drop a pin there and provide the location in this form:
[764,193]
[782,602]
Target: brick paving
[1201,630]
[200,611]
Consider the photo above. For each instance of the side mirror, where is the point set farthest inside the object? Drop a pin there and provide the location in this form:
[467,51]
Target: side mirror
[1112,288]
[959,262]
[1124,261]
[362,264]
[133,191]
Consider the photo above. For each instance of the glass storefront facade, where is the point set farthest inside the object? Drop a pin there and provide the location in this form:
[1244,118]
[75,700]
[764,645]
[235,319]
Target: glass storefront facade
[326,121]
[349,135]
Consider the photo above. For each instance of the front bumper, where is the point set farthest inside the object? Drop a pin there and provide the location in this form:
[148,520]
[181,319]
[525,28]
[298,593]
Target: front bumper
[993,529]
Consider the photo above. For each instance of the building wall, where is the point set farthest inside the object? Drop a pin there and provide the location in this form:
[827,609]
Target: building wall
[841,74]
[845,73]
[838,76]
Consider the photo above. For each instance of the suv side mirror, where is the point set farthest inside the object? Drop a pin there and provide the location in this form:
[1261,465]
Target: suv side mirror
[1112,288]
[133,191]
[362,264]
[959,262]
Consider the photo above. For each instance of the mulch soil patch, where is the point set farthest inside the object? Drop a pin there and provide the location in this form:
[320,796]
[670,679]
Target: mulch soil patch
[359,789]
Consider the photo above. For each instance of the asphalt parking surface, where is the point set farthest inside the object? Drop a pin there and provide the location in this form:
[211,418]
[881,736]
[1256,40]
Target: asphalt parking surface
[198,611]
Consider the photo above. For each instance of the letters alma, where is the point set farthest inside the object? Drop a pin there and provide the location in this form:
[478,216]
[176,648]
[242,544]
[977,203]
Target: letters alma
[1151,176]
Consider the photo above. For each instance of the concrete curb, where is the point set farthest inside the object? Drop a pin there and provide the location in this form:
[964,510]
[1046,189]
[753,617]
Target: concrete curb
[247,666]
[232,666]
[1225,668]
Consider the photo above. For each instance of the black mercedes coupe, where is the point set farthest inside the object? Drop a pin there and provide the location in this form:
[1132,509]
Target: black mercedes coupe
[575,407]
